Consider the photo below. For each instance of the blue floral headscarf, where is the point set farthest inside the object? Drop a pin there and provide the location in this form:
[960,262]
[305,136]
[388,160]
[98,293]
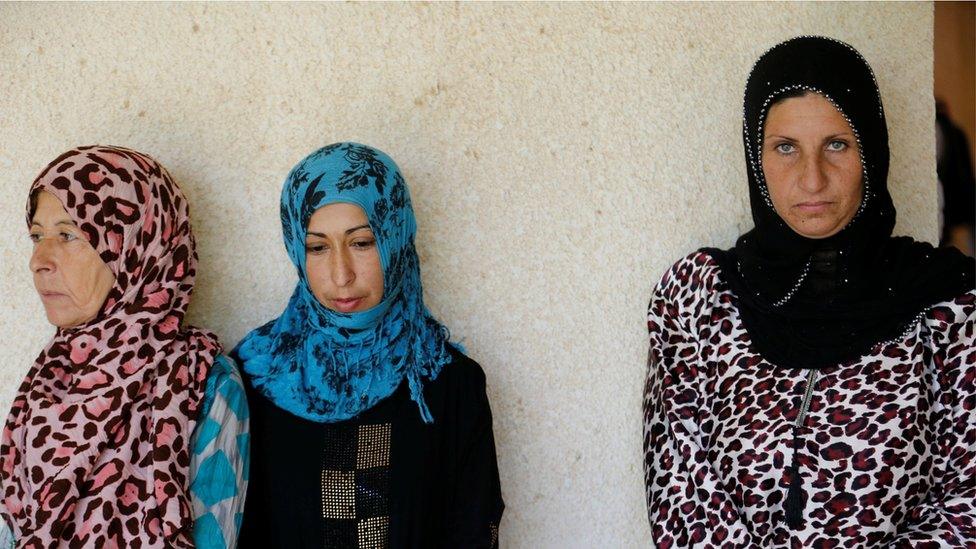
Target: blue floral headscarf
[328,366]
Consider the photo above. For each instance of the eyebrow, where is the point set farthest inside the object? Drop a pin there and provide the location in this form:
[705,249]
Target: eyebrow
[348,231]
[828,138]
[67,222]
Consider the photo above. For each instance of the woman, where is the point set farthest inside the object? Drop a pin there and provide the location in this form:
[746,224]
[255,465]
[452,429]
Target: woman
[130,430]
[370,429]
[813,385]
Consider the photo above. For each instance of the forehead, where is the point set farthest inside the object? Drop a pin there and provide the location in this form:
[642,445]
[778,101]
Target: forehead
[47,208]
[337,217]
[807,113]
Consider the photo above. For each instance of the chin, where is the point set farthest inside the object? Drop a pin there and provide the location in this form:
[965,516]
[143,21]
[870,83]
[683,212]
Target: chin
[815,227]
[817,234]
[57,322]
[61,320]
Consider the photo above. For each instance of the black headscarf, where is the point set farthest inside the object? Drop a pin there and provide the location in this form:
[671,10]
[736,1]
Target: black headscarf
[812,303]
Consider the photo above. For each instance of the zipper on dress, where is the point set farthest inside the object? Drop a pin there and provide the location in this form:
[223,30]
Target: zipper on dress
[796,500]
[805,406]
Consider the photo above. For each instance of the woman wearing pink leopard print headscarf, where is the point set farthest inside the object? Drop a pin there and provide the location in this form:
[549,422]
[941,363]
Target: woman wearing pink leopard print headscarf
[130,429]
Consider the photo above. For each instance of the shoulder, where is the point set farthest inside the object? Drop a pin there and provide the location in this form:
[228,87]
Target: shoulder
[463,372]
[961,310]
[223,374]
[950,336]
[694,276]
[226,388]
[461,383]
[951,322]
[459,395]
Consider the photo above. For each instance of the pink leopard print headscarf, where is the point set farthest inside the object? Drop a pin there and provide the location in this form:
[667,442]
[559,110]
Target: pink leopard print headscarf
[96,450]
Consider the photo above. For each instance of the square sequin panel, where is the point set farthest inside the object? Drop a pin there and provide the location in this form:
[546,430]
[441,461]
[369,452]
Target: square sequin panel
[355,486]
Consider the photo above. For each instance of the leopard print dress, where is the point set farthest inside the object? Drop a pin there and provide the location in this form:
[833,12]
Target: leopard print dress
[885,450]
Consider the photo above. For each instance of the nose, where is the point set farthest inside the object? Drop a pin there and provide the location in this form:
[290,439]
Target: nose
[813,178]
[343,273]
[42,259]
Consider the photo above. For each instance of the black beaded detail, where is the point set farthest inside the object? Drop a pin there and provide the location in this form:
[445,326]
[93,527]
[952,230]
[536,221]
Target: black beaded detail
[799,282]
[355,486]
[796,286]
[910,327]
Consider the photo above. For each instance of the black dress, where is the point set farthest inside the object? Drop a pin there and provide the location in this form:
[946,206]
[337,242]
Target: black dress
[381,479]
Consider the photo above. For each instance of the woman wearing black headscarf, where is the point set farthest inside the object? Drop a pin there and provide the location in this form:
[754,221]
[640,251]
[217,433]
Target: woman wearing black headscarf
[816,383]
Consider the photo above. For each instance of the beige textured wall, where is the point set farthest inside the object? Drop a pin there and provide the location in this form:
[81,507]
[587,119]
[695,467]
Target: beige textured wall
[560,158]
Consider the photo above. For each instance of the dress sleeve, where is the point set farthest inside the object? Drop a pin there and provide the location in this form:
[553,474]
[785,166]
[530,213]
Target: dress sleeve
[686,503]
[219,459]
[946,517]
[478,499]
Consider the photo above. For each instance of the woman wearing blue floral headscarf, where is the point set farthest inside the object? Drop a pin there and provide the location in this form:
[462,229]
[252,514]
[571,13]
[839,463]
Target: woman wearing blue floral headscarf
[369,429]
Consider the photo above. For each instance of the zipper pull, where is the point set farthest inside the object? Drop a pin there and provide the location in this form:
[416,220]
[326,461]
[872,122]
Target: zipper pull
[796,498]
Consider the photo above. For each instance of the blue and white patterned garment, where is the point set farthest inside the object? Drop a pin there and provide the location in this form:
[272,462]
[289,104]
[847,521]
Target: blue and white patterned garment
[218,462]
[6,536]
[219,459]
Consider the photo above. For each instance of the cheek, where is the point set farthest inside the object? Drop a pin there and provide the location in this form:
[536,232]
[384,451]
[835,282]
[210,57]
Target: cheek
[777,175]
[87,280]
[374,276]
[848,174]
[852,184]
[317,275]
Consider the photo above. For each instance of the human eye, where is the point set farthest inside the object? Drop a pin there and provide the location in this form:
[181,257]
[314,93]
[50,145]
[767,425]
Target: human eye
[785,148]
[364,243]
[837,145]
[34,237]
[315,248]
[67,237]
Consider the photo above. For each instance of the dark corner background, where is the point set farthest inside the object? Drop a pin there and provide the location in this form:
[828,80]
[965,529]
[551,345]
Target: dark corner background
[955,96]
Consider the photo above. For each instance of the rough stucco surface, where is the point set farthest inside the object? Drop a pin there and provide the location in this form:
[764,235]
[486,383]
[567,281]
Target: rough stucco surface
[560,157]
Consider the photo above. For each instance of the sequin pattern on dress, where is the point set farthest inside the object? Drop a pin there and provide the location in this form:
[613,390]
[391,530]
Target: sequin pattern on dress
[355,486]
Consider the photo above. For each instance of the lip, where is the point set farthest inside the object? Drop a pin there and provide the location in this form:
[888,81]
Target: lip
[813,206]
[50,295]
[346,305]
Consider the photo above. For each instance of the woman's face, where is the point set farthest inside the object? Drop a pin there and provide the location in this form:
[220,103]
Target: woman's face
[811,164]
[70,277]
[342,261]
